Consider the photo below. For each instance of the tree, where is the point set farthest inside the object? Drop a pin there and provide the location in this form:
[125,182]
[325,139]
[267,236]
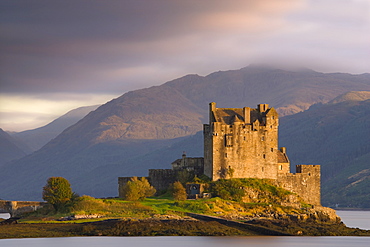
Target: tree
[178,191]
[58,193]
[137,189]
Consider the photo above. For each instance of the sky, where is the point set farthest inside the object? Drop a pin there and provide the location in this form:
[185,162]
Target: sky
[59,55]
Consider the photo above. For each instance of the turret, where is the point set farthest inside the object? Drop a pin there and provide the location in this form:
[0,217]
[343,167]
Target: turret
[263,107]
[212,109]
[247,115]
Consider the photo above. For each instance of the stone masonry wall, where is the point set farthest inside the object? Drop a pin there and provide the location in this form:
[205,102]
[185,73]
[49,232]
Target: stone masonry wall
[305,182]
[161,179]
[248,147]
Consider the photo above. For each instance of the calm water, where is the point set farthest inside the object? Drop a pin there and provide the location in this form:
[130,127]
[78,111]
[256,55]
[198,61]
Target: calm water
[359,219]
[189,241]
[5,216]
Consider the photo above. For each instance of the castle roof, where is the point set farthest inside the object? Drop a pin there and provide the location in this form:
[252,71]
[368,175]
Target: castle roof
[231,115]
[227,115]
[282,158]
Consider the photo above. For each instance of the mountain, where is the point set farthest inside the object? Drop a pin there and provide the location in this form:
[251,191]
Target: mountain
[130,134]
[11,148]
[337,137]
[288,91]
[352,96]
[36,138]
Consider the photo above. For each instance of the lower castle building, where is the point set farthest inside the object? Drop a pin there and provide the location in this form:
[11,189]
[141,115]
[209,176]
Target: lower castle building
[242,143]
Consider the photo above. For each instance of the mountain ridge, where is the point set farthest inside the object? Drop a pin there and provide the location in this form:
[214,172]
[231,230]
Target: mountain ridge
[141,122]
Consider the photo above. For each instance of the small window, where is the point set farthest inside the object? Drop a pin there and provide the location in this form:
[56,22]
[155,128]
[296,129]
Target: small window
[272,149]
[264,156]
[280,167]
[225,155]
[262,138]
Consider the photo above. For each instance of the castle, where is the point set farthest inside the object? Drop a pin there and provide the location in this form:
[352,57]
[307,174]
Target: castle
[242,143]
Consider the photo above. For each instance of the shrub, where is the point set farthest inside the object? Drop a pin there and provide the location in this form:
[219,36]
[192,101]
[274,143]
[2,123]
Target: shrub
[58,193]
[137,189]
[178,191]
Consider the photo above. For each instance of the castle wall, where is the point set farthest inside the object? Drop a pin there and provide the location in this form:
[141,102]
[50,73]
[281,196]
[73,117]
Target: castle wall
[15,208]
[161,179]
[193,165]
[305,182]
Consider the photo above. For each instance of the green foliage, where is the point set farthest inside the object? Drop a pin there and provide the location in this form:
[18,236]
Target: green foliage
[228,189]
[234,189]
[58,193]
[178,191]
[89,205]
[202,179]
[138,189]
[184,176]
[196,206]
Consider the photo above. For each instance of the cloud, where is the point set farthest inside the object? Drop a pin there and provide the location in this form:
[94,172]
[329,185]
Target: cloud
[65,45]
[20,112]
[110,47]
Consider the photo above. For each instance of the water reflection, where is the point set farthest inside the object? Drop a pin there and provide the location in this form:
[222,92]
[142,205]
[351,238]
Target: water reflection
[189,241]
[5,216]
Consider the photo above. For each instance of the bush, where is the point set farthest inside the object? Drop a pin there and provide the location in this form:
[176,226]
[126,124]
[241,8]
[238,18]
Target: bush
[178,191]
[229,189]
[137,189]
[58,193]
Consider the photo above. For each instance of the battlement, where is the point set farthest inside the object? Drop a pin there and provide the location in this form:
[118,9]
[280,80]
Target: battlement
[309,169]
[305,182]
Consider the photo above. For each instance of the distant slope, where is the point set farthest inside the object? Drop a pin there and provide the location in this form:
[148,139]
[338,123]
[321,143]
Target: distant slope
[352,96]
[337,137]
[122,132]
[11,148]
[36,138]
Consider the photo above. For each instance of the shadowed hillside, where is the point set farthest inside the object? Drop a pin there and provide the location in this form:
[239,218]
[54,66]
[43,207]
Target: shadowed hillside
[11,148]
[124,136]
[337,137]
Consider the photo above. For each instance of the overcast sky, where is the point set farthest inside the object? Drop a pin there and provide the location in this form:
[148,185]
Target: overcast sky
[59,55]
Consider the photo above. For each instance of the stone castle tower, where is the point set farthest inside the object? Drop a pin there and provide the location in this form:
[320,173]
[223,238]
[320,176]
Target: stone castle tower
[243,143]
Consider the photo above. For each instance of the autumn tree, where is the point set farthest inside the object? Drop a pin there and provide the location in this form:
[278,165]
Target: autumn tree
[137,189]
[178,191]
[58,193]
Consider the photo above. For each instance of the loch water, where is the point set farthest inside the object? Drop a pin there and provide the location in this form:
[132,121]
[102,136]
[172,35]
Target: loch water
[360,219]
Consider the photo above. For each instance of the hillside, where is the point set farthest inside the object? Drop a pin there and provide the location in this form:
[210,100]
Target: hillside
[36,138]
[130,134]
[352,96]
[336,136]
[11,148]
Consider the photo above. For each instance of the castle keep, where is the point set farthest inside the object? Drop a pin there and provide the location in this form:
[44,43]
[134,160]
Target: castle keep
[243,143]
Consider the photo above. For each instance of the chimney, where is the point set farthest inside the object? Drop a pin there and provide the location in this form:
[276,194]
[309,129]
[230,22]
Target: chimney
[263,107]
[247,115]
[212,108]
